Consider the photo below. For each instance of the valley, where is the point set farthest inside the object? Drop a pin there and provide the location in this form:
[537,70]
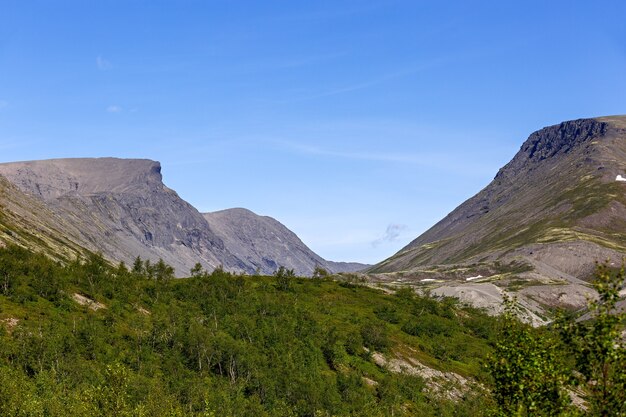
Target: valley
[94,320]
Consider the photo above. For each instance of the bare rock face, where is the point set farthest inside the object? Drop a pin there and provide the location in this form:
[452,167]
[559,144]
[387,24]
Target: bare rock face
[121,208]
[267,244]
[54,178]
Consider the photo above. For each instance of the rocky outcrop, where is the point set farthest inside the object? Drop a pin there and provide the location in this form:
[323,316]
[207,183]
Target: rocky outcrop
[551,143]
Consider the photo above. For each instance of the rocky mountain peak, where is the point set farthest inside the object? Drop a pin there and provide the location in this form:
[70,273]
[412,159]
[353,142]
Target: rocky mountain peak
[552,142]
[559,188]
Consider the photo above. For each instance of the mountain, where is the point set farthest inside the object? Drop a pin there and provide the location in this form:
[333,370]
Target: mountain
[121,208]
[557,207]
[267,244]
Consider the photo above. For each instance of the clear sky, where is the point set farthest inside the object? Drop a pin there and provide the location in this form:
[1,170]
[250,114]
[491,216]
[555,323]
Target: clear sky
[357,124]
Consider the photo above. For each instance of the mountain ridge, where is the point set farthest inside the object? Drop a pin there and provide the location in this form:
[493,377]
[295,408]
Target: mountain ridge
[516,194]
[262,239]
[122,208]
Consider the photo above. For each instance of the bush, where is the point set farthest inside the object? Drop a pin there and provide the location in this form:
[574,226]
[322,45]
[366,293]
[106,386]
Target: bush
[375,336]
[428,325]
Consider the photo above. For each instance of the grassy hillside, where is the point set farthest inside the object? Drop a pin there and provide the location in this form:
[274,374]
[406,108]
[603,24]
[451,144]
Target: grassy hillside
[27,222]
[93,340]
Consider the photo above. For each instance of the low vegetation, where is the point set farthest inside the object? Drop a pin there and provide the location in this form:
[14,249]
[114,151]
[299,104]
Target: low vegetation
[92,339]
[222,345]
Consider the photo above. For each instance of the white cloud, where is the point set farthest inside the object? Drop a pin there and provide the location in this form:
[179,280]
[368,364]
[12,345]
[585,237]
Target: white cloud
[114,109]
[391,234]
[103,64]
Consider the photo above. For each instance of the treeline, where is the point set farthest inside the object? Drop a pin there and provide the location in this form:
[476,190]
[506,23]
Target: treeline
[218,344]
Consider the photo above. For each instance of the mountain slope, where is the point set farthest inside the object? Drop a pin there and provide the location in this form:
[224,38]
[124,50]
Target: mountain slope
[91,340]
[121,207]
[556,202]
[267,244]
[27,221]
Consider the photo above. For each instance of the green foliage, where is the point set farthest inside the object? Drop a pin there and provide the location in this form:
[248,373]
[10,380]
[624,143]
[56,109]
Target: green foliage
[197,271]
[428,325]
[283,278]
[375,336]
[598,347]
[162,271]
[319,272]
[527,370]
[138,266]
[214,344]
[387,313]
[533,370]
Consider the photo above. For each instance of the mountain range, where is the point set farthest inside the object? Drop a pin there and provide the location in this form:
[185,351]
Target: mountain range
[536,231]
[121,208]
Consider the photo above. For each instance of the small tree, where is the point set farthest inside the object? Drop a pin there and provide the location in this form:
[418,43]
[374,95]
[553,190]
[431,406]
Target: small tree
[320,272]
[138,267]
[598,347]
[527,366]
[529,377]
[197,270]
[148,269]
[163,271]
[283,278]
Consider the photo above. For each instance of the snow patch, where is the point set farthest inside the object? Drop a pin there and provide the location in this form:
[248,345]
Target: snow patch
[427,280]
[473,278]
[620,178]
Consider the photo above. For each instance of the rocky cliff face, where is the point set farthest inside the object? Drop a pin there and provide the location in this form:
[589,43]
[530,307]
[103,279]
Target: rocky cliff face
[121,208]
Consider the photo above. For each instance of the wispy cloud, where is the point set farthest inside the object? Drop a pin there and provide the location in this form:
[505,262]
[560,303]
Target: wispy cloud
[392,75]
[103,64]
[470,162]
[423,159]
[391,234]
[406,71]
[114,109]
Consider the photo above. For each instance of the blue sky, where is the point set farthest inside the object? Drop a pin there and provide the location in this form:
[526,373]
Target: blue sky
[357,124]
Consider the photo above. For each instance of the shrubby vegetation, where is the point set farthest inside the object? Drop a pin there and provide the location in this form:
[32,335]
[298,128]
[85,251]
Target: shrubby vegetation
[218,344]
[538,372]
